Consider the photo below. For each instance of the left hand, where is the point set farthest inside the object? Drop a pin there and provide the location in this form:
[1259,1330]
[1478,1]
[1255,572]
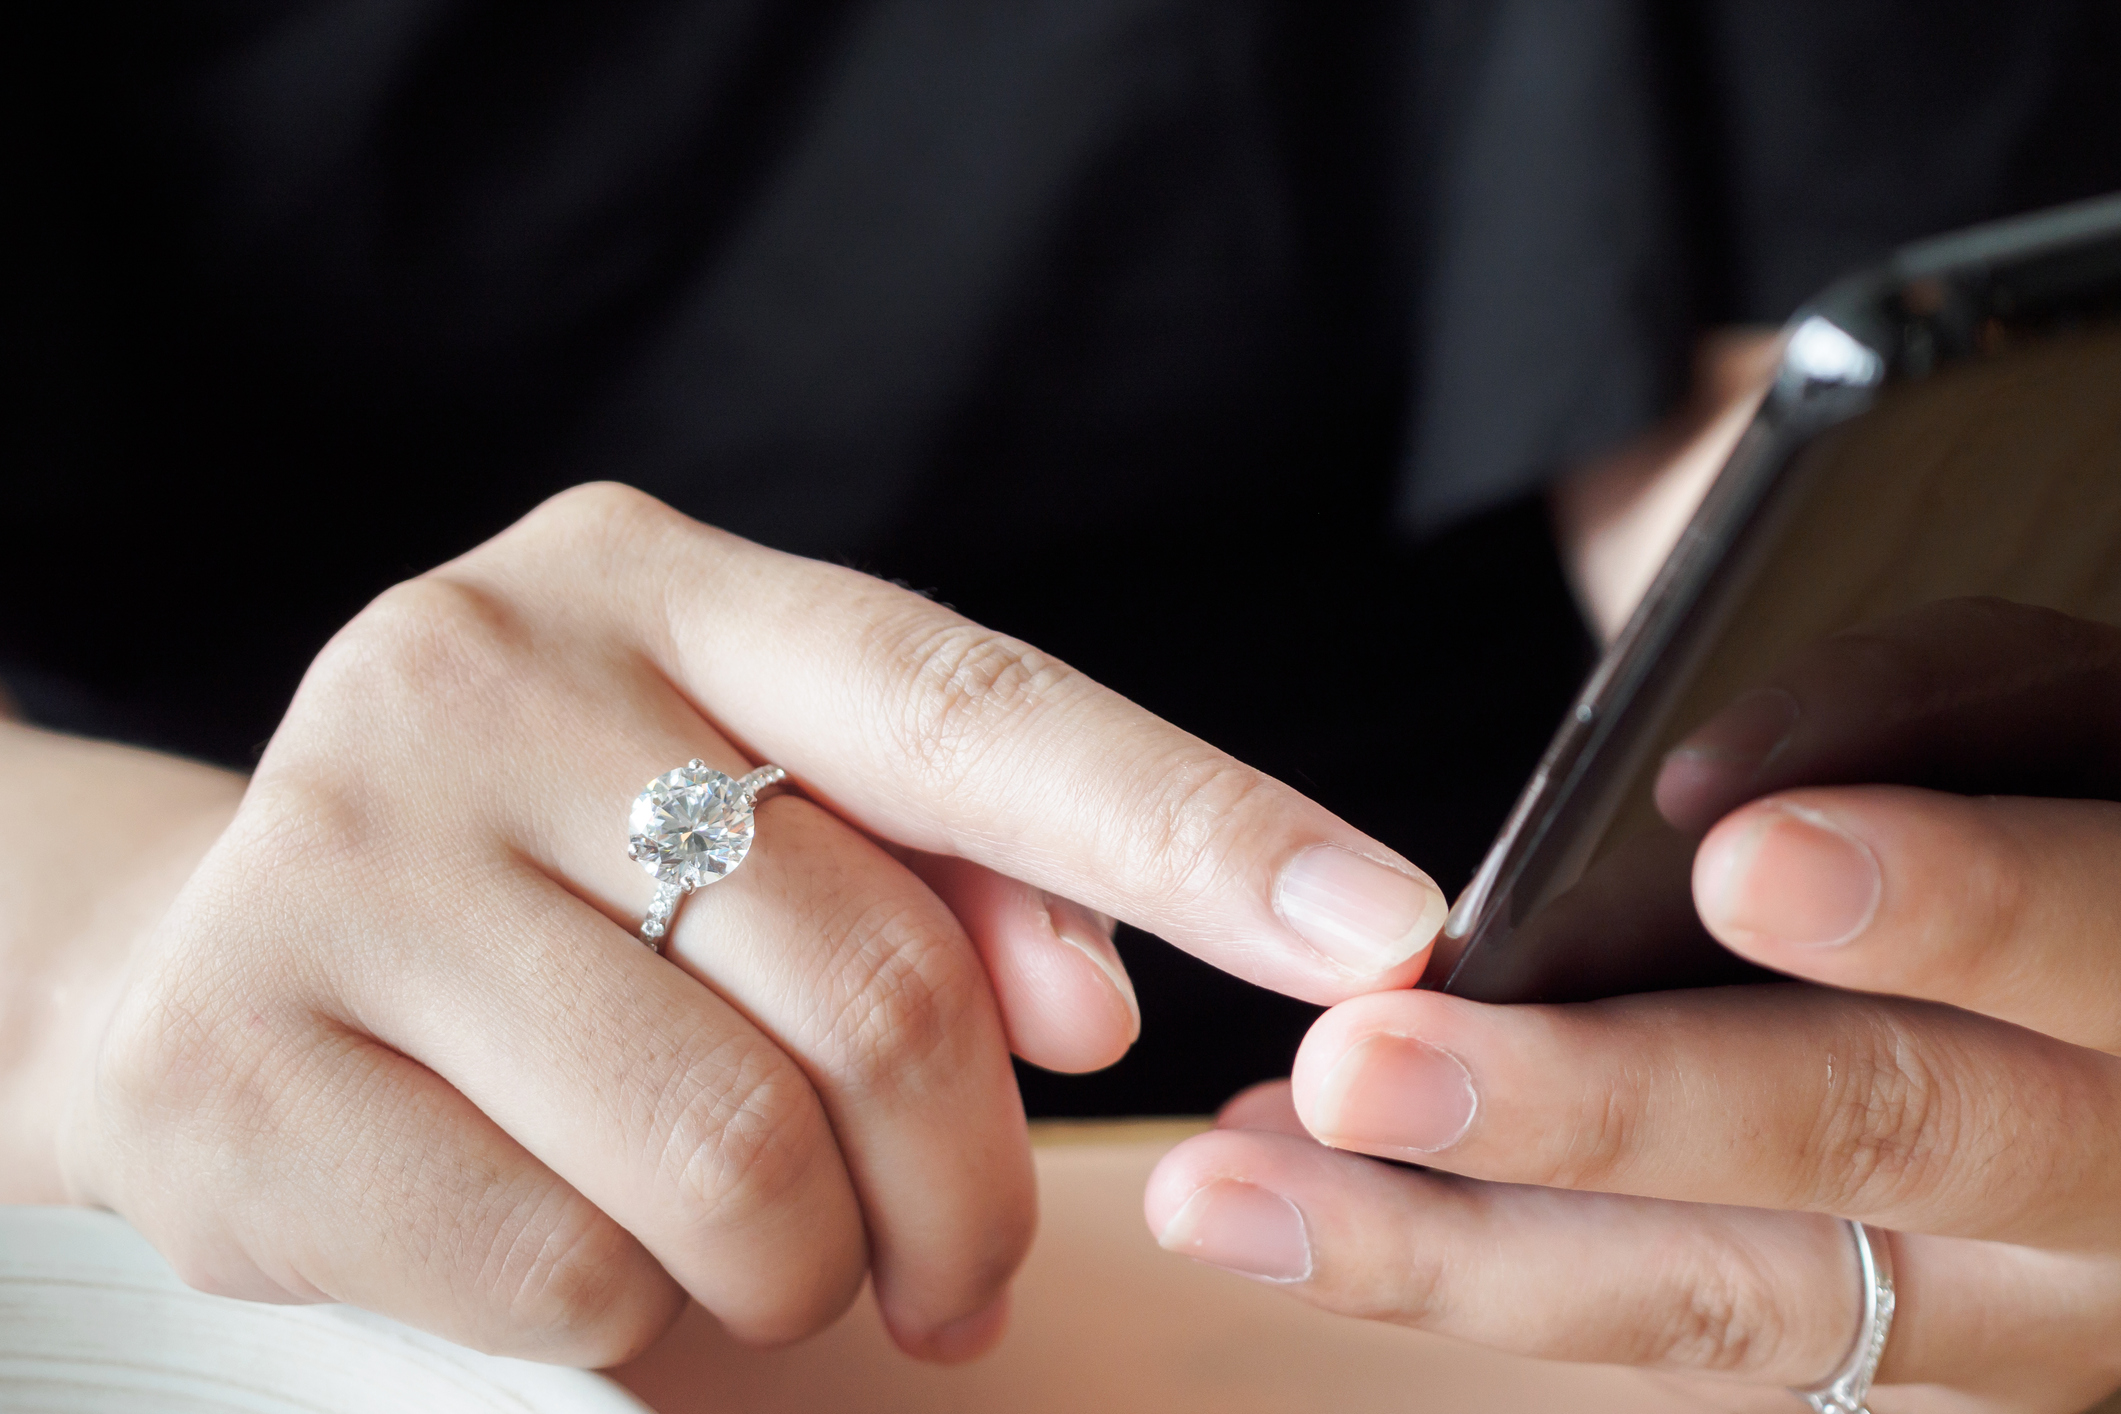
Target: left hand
[1647,1180]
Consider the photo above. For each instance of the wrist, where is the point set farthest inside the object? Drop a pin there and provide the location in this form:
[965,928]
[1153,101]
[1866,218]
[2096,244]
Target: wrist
[95,842]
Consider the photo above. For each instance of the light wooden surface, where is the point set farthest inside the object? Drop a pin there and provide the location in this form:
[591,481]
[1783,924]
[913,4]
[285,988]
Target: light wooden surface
[1161,1132]
[1107,1321]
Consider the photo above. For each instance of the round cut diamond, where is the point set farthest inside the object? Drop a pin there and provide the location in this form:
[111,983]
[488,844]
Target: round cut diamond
[691,826]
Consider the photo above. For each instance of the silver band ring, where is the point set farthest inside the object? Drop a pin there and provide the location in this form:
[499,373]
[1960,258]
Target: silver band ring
[1845,1391]
[689,828]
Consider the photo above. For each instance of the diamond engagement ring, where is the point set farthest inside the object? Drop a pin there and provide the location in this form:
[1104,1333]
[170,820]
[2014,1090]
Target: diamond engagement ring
[1845,1391]
[689,828]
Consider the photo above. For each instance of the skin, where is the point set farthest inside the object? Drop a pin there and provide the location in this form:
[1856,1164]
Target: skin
[372,1026]
[1647,1181]
[307,1078]
[1616,515]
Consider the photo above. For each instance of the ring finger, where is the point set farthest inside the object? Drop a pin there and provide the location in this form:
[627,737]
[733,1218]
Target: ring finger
[1768,1297]
[859,973]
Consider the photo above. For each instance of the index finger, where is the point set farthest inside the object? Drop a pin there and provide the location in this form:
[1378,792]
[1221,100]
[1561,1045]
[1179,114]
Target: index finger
[926,729]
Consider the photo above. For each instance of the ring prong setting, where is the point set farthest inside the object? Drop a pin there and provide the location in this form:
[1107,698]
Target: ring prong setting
[689,828]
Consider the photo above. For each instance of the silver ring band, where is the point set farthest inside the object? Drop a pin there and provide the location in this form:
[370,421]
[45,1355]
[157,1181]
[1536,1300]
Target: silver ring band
[1845,1391]
[689,828]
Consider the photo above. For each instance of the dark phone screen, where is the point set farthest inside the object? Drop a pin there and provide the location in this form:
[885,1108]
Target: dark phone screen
[1971,447]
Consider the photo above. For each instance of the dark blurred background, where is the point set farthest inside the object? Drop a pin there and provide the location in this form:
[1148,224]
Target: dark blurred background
[1222,347]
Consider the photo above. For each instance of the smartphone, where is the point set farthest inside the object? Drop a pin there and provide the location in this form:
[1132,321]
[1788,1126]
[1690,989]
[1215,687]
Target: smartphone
[1946,424]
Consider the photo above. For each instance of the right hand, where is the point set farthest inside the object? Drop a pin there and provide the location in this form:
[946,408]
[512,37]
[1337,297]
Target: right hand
[1656,1180]
[395,1044]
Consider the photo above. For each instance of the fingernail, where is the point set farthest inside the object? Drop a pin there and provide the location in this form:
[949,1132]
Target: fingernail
[1366,916]
[1091,935]
[1790,876]
[1395,1093]
[1241,1228]
[1748,733]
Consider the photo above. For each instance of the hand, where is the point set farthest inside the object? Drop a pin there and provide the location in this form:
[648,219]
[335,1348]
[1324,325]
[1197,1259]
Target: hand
[1644,1181]
[395,1044]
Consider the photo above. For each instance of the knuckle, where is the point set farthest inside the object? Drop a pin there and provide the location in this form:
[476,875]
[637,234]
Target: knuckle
[181,1065]
[424,649]
[898,997]
[565,1277]
[1995,879]
[301,820]
[740,1132]
[1890,1122]
[1600,1145]
[1201,801]
[600,503]
[1715,1314]
[594,522]
[168,1052]
[969,687]
[1606,1134]
[1418,1293]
